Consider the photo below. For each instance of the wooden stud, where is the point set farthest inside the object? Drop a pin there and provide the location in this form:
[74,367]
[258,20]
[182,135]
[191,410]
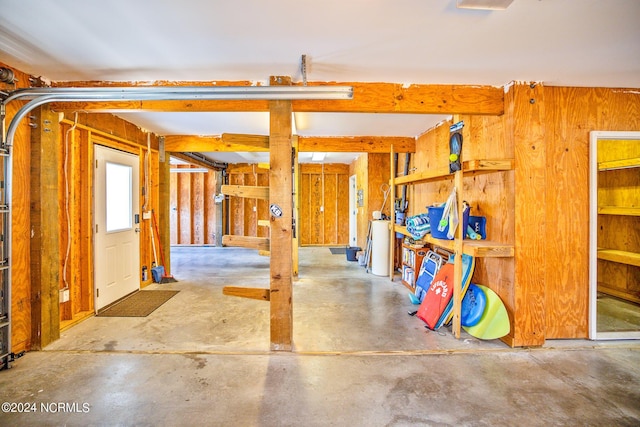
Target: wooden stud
[246,191]
[164,209]
[526,126]
[392,199]
[249,242]
[45,229]
[458,251]
[252,293]
[296,213]
[280,197]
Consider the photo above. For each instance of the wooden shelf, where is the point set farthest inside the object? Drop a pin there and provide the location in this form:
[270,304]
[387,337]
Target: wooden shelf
[619,164]
[470,167]
[475,248]
[617,293]
[622,257]
[618,210]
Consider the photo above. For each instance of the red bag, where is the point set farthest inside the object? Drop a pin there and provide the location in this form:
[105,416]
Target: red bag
[437,297]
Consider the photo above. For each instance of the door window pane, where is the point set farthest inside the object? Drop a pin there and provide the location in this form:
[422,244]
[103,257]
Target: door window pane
[119,197]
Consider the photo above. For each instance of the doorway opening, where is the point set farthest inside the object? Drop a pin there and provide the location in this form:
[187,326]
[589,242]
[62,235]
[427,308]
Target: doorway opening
[614,234]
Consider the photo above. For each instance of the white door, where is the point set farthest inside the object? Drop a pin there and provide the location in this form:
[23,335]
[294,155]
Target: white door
[353,213]
[116,232]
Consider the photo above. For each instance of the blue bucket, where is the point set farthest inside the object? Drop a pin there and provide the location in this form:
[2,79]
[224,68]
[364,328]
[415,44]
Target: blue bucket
[435,215]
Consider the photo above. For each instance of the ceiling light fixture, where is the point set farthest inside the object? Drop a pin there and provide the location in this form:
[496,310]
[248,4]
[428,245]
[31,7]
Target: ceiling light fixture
[483,4]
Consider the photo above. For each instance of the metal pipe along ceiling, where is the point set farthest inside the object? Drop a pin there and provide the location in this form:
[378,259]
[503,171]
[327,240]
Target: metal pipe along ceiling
[41,96]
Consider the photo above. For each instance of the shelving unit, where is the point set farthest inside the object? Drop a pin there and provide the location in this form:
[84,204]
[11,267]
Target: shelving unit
[475,248]
[617,207]
[411,263]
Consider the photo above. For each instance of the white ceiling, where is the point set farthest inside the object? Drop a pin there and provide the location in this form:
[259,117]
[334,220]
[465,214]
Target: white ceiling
[557,42]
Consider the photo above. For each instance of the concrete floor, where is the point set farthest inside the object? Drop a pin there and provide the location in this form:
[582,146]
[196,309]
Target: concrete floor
[360,360]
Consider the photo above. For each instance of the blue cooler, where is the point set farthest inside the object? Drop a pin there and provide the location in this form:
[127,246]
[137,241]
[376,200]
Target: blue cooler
[435,215]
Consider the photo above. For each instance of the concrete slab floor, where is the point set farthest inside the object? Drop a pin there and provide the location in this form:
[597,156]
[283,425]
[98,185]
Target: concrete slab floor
[360,360]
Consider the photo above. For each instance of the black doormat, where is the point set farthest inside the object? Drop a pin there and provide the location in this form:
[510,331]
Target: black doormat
[139,304]
[338,251]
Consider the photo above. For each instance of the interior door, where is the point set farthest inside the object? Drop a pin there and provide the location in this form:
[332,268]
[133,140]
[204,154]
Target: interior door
[116,228]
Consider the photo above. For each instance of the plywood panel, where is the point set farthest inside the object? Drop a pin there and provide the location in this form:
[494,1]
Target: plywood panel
[250,218]
[573,112]
[379,174]
[263,205]
[342,209]
[528,127]
[236,207]
[210,208]
[305,209]
[173,213]
[330,209]
[361,170]
[184,208]
[317,216]
[197,208]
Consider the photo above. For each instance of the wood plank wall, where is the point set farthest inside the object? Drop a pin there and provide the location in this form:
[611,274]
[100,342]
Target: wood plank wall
[324,204]
[330,227]
[571,114]
[244,213]
[193,211]
[372,170]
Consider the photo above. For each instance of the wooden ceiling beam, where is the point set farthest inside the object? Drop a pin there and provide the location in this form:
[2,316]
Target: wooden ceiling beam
[356,144]
[367,98]
[308,144]
[191,143]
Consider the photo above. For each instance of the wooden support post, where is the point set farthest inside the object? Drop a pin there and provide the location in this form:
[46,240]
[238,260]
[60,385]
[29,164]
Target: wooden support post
[526,126]
[458,250]
[281,201]
[296,203]
[45,229]
[164,206]
[392,212]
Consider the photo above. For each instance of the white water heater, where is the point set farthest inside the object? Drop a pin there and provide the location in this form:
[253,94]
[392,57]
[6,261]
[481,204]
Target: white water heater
[380,247]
